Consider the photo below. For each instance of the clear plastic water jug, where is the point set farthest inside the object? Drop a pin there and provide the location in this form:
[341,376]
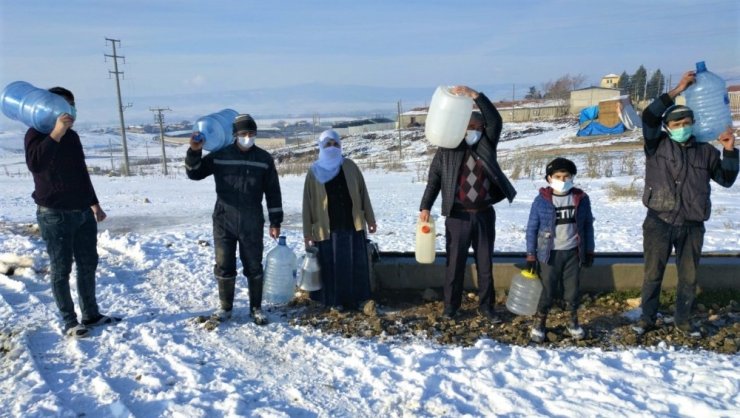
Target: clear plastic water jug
[216,129]
[279,275]
[709,100]
[32,106]
[425,241]
[448,118]
[309,275]
[524,293]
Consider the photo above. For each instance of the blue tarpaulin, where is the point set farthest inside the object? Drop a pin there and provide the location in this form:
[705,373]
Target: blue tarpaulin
[595,128]
[587,114]
[590,126]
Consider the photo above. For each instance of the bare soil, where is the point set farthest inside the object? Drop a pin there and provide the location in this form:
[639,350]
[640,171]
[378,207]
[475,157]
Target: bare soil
[407,315]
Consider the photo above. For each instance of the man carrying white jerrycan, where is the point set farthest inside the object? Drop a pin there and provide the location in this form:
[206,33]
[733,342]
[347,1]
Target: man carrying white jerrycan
[243,173]
[471,181]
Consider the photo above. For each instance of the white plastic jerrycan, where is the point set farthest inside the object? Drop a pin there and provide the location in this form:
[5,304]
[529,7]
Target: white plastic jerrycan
[425,237]
[524,293]
[448,118]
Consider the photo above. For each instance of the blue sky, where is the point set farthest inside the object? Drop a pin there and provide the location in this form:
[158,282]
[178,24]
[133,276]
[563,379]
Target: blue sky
[202,47]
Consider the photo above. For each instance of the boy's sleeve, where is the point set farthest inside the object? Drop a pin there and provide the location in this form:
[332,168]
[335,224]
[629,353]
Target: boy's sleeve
[533,227]
[590,240]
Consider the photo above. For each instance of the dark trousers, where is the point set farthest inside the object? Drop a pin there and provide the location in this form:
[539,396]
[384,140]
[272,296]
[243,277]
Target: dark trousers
[228,231]
[71,235]
[462,230]
[345,270]
[659,238]
[561,274]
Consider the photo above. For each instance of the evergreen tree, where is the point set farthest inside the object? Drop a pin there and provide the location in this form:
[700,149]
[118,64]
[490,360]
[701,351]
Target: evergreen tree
[624,83]
[533,93]
[655,85]
[637,82]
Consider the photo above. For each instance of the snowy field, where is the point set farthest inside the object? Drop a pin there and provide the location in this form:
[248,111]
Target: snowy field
[155,273]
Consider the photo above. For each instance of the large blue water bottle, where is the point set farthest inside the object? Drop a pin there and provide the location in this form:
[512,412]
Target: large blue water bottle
[32,106]
[216,129]
[279,275]
[709,100]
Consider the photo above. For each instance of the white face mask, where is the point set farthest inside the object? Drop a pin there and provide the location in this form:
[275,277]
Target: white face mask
[561,186]
[472,137]
[245,141]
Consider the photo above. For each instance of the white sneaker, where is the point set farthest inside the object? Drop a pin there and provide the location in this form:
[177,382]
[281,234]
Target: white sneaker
[575,331]
[221,315]
[258,317]
[536,335]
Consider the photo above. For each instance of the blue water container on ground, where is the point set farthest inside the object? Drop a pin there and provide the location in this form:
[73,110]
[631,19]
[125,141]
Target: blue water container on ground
[216,128]
[709,100]
[279,275]
[32,106]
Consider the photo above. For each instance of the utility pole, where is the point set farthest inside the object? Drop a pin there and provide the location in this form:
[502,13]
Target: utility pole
[115,71]
[159,118]
[400,152]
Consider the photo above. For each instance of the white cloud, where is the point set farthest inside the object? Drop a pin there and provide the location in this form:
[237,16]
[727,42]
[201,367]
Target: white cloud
[198,80]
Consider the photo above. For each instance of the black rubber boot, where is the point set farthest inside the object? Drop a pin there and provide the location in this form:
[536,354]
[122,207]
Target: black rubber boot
[226,288]
[255,292]
[255,300]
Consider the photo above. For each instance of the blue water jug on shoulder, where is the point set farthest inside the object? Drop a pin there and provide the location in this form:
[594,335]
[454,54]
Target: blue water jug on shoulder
[216,129]
[709,100]
[32,106]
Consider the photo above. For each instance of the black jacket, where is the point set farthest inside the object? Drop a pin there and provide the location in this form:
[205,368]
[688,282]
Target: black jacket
[677,175]
[59,171]
[242,177]
[445,167]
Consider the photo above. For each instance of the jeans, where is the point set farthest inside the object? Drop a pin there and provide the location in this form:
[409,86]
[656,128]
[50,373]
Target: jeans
[659,238]
[71,234]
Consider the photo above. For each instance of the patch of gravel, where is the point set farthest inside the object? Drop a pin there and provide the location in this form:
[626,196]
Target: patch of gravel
[406,315]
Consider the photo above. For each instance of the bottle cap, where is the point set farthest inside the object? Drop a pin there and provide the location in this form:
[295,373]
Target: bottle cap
[701,66]
[529,274]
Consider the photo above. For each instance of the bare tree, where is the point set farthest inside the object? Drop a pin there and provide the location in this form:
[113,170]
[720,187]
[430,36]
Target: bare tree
[561,88]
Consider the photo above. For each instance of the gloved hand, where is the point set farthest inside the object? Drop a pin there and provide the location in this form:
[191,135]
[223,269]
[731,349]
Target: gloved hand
[589,261]
[531,264]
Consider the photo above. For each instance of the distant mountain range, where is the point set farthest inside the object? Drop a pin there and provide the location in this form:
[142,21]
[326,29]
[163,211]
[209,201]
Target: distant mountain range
[302,100]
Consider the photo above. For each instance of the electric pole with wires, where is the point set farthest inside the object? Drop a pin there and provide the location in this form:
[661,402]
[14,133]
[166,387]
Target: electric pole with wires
[159,118]
[115,71]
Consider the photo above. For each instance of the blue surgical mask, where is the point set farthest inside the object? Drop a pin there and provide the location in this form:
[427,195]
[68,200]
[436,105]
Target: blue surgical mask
[681,135]
[472,137]
[561,186]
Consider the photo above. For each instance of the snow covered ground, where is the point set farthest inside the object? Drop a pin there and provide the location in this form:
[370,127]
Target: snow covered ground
[156,273]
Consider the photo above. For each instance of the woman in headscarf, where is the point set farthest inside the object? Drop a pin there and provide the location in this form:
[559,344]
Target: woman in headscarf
[336,208]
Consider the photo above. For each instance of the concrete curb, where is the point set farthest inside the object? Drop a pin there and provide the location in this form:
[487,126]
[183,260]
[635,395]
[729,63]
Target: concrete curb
[610,272]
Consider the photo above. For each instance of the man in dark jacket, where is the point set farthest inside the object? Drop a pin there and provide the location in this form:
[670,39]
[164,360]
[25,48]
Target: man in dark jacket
[243,173]
[68,212]
[471,181]
[677,195]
